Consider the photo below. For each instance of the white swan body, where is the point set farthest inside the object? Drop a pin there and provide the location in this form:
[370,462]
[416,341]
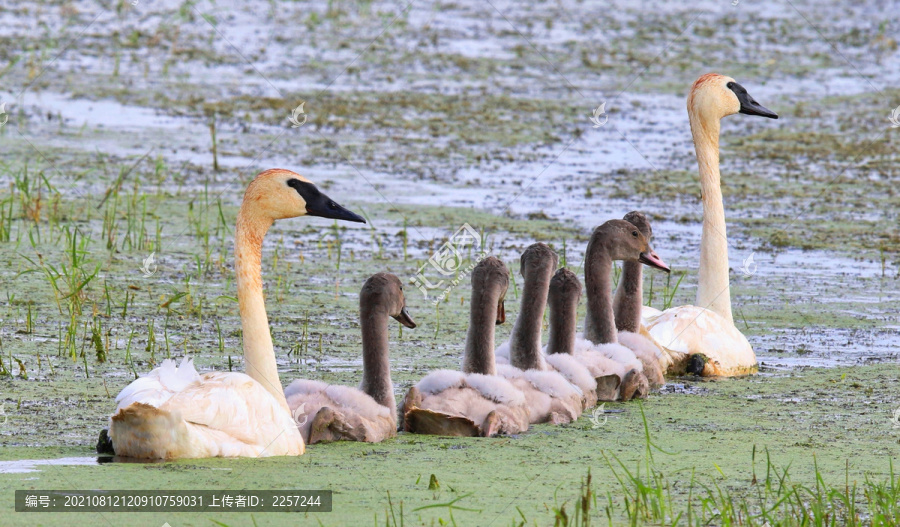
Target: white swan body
[173,412]
[721,349]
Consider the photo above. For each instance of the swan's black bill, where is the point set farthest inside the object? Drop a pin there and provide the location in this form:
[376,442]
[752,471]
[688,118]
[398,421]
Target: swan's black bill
[749,106]
[501,313]
[405,319]
[318,204]
[653,260]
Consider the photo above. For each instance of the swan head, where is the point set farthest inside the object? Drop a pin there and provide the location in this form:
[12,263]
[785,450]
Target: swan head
[490,279]
[385,291]
[538,258]
[565,285]
[639,220]
[714,96]
[623,241]
[278,194]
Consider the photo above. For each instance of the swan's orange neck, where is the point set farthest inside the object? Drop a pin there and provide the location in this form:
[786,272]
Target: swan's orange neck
[259,353]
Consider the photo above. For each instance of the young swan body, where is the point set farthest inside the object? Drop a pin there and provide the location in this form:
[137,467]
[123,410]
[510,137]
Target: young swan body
[551,397]
[330,412]
[702,339]
[627,305]
[475,401]
[173,412]
[614,240]
[604,373]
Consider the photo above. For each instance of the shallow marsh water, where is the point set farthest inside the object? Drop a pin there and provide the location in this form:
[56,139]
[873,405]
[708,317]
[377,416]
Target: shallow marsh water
[426,116]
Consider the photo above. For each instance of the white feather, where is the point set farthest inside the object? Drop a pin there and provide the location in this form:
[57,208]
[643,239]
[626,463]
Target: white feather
[496,389]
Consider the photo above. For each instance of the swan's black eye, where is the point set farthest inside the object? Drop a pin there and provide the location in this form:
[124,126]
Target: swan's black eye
[634,233]
[730,85]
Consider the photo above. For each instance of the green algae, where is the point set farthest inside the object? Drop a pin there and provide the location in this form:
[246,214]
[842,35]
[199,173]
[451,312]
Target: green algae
[842,417]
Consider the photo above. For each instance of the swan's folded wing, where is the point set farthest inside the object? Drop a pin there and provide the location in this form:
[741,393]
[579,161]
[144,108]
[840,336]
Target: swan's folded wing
[614,351]
[496,389]
[553,384]
[648,313]
[239,407]
[655,362]
[159,385]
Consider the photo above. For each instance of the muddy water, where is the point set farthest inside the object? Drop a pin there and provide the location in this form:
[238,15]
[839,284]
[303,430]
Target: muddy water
[23,466]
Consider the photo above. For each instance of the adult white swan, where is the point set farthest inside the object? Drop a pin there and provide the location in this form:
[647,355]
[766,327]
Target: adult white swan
[173,412]
[702,339]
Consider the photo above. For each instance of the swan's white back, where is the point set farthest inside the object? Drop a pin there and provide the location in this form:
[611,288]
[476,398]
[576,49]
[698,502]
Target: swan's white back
[159,385]
[173,412]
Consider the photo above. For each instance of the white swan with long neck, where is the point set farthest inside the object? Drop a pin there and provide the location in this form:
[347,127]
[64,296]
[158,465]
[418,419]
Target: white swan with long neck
[173,412]
[702,339]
